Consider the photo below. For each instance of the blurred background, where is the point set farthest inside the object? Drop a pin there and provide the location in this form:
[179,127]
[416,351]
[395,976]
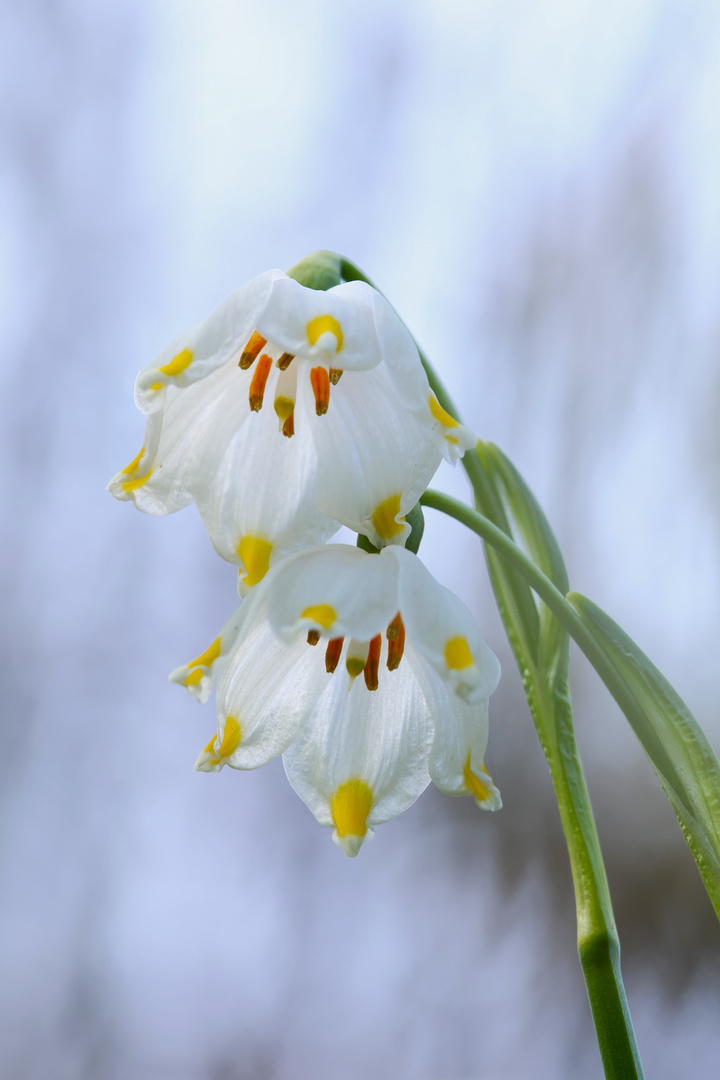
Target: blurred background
[535,184]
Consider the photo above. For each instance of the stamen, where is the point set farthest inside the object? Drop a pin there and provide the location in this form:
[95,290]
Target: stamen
[257,386]
[373,663]
[335,373]
[356,658]
[288,427]
[332,654]
[313,637]
[320,382]
[285,360]
[251,351]
[396,642]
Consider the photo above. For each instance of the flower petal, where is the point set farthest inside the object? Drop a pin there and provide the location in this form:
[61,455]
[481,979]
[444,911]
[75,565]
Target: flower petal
[199,351]
[134,478]
[336,326]
[198,677]
[375,458]
[457,756]
[189,435]
[362,757]
[403,362]
[337,589]
[259,502]
[443,629]
[268,687]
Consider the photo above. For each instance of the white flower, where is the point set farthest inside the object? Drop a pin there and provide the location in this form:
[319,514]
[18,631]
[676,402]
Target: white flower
[359,451]
[397,697]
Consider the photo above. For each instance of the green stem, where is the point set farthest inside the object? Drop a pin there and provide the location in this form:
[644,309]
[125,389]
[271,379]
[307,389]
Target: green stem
[598,942]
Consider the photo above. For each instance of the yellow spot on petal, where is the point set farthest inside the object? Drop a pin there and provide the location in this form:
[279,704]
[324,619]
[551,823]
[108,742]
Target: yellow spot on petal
[474,785]
[209,656]
[440,414]
[178,363]
[134,463]
[210,748]
[384,518]
[255,554]
[231,737]
[195,676]
[321,325]
[133,485]
[157,386]
[350,806]
[320,613]
[457,653]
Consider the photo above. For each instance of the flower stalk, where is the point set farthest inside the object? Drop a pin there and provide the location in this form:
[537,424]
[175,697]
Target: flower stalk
[597,936]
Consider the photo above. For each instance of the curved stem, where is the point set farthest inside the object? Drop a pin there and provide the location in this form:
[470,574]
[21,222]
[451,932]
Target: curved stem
[597,937]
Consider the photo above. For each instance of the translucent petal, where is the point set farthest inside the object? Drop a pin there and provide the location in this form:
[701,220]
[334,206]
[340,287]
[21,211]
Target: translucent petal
[457,755]
[198,677]
[197,352]
[443,630]
[130,481]
[337,326]
[194,428]
[268,687]
[456,438]
[338,589]
[371,449]
[379,739]
[264,487]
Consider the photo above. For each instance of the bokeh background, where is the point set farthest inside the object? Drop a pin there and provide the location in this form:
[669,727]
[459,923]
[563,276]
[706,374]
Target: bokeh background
[536,186]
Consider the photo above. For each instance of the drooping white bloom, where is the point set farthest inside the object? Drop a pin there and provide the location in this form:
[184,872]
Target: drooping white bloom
[398,696]
[269,479]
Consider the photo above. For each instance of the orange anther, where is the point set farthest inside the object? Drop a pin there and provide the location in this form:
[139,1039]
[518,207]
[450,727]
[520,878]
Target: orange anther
[335,373]
[332,654]
[373,663]
[288,427]
[251,350]
[396,642]
[285,360]
[257,386]
[320,382]
[313,637]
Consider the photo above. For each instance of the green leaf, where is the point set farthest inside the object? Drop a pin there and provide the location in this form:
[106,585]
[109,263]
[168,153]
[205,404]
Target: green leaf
[676,745]
[531,530]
